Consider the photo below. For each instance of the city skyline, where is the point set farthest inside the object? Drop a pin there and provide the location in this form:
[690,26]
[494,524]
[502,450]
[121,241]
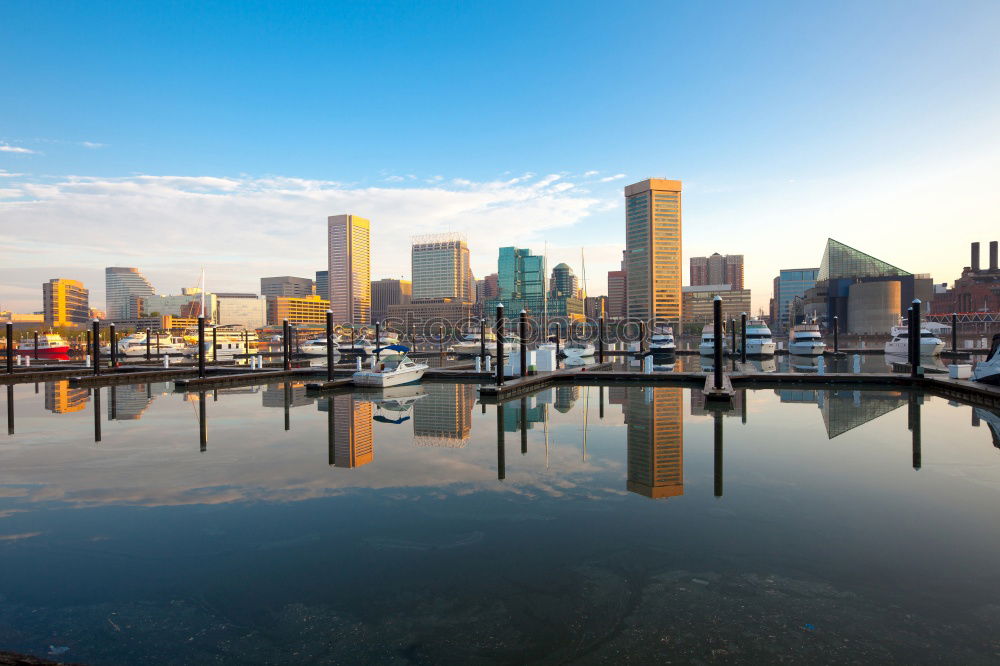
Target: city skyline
[820,143]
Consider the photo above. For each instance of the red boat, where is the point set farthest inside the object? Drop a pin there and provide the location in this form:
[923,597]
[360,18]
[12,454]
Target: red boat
[49,345]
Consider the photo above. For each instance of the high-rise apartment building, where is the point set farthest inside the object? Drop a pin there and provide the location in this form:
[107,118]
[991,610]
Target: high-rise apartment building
[563,282]
[491,287]
[287,285]
[65,303]
[653,249]
[717,269]
[617,294]
[322,284]
[440,268]
[386,292]
[655,420]
[124,287]
[349,253]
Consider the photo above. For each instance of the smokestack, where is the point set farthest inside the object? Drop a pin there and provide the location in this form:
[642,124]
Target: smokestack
[993,255]
[975,257]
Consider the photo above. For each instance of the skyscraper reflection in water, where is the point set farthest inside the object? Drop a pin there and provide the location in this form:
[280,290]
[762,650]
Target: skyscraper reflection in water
[353,443]
[443,416]
[654,417]
[61,399]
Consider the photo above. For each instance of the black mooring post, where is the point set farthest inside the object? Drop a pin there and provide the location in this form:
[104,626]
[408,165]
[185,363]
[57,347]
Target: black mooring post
[286,344]
[954,332]
[329,345]
[215,345]
[201,345]
[10,409]
[743,337]
[914,419]
[915,336]
[717,417]
[113,345]
[558,332]
[642,335]
[600,339]
[732,332]
[836,337]
[35,354]
[288,405]
[86,350]
[501,455]
[482,340]
[600,394]
[522,331]
[10,347]
[97,347]
[148,343]
[717,340]
[377,336]
[499,335]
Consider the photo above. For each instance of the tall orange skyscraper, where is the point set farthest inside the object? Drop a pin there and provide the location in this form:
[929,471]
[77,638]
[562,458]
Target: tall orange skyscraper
[653,249]
[349,252]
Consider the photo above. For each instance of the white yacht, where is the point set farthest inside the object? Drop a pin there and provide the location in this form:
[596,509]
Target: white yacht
[392,367]
[806,340]
[135,344]
[318,347]
[471,344]
[930,345]
[662,342]
[578,350]
[759,341]
[707,346]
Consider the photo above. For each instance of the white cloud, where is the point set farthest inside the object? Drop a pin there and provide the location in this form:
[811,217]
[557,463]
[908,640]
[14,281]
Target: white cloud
[608,179]
[243,228]
[92,144]
[588,174]
[7,148]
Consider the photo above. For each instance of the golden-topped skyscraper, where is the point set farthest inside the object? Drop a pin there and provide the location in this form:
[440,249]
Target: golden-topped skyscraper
[349,252]
[653,249]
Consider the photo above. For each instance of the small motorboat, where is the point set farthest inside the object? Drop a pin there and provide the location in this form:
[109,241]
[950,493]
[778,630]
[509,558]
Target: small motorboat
[930,344]
[988,371]
[391,367]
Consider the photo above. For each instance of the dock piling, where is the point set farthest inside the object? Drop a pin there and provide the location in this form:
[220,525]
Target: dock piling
[10,347]
[482,340]
[600,339]
[954,332]
[378,333]
[836,338]
[732,334]
[113,345]
[35,354]
[286,345]
[522,331]
[215,345]
[915,337]
[716,341]
[501,457]
[148,342]
[717,429]
[743,337]
[97,346]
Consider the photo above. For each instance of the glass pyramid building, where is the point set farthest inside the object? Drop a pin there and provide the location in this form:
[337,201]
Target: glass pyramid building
[843,261]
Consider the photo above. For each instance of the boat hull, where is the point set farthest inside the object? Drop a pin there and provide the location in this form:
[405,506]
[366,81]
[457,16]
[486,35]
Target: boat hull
[44,352]
[927,348]
[387,379]
[806,348]
[759,348]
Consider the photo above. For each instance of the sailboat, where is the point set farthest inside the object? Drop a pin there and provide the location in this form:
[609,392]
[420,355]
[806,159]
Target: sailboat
[583,349]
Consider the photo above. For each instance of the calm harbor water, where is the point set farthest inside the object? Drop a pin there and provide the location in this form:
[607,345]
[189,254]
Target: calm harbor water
[581,524]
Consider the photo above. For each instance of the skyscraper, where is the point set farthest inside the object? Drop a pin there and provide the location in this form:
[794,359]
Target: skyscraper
[440,268]
[322,284]
[653,249]
[790,284]
[386,292]
[349,252]
[65,303]
[124,286]
[717,269]
[563,282]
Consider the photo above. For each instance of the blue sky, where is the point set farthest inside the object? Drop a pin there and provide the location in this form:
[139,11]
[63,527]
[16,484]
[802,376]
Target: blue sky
[223,133]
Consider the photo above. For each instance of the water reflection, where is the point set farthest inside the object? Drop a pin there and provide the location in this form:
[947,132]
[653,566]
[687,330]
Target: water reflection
[443,416]
[654,417]
[61,399]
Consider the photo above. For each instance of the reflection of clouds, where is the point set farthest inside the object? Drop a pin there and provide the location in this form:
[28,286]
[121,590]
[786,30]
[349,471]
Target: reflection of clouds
[18,537]
[250,458]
